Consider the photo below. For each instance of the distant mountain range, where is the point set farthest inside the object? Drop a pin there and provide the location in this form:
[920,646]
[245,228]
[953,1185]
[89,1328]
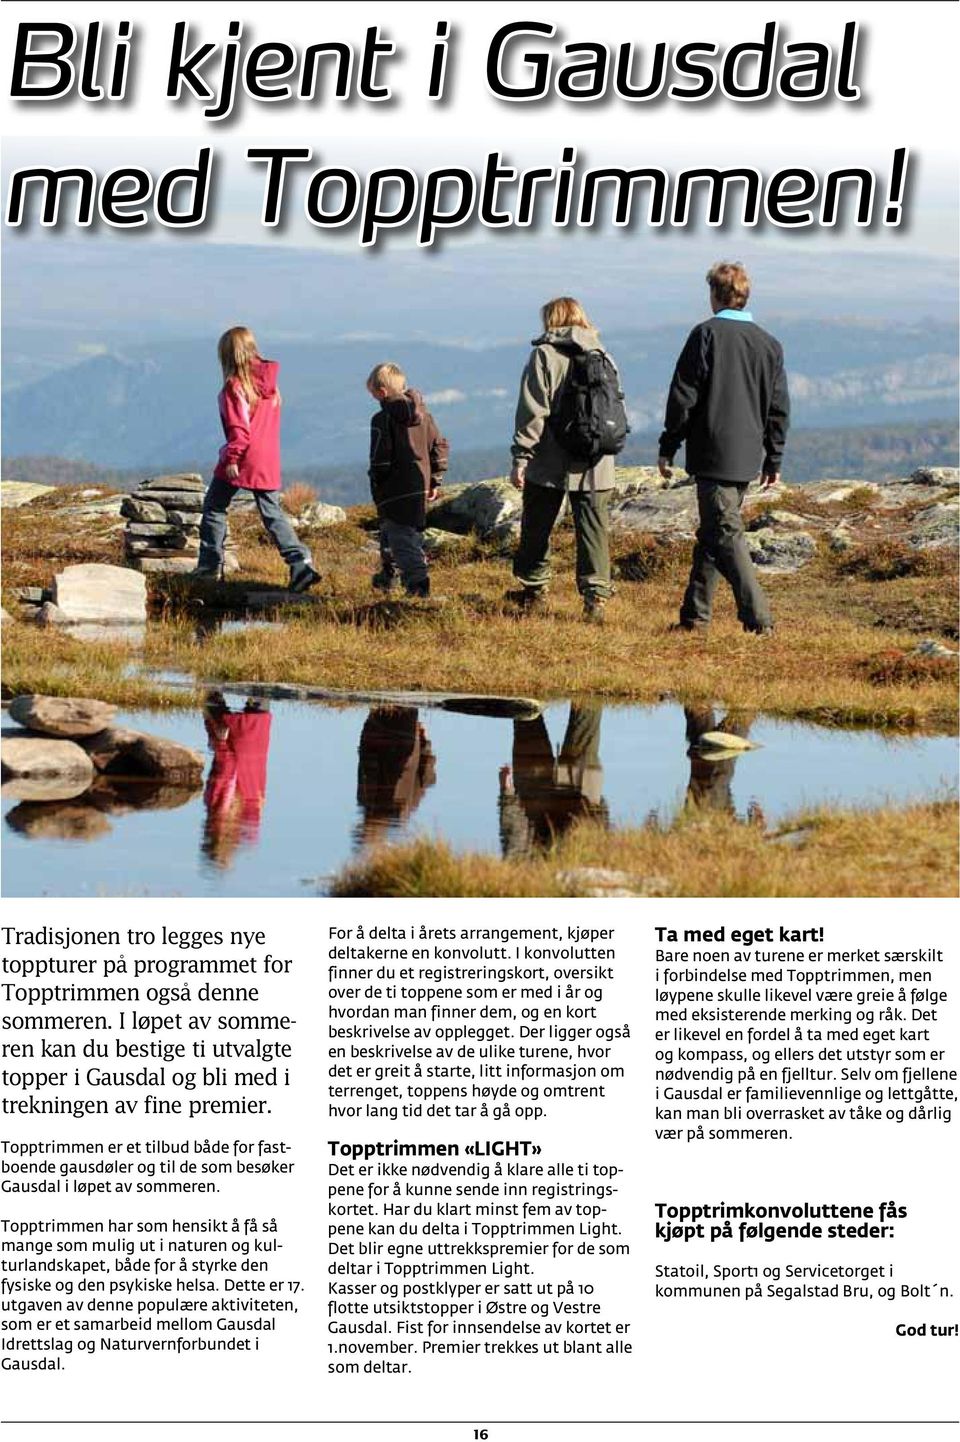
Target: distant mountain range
[108,344]
[150,406]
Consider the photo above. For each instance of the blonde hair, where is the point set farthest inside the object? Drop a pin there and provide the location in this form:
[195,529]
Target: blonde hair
[237,349]
[729,284]
[563,310]
[386,377]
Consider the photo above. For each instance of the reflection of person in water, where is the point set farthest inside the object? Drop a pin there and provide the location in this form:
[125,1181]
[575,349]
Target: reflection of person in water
[237,785]
[541,795]
[396,765]
[710,787]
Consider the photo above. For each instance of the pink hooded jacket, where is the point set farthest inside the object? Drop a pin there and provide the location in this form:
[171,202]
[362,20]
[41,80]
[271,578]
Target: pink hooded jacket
[252,432]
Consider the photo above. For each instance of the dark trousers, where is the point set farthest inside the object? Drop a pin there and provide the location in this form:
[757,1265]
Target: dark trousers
[401,549]
[213,526]
[721,550]
[591,519]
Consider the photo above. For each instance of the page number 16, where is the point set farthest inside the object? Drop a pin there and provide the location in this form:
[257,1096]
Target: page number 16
[480,1434]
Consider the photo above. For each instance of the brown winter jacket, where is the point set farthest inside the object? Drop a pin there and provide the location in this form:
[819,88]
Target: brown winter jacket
[408,457]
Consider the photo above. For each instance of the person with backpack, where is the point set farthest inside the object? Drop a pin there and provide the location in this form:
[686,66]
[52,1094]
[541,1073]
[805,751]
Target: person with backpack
[570,424]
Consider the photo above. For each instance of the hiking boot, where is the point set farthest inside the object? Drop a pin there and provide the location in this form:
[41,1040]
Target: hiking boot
[420,590]
[532,600]
[759,630]
[205,574]
[594,610]
[385,581]
[689,626]
[302,578]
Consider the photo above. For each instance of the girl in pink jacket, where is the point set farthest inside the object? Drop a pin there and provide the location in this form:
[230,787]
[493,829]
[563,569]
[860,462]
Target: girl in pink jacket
[249,459]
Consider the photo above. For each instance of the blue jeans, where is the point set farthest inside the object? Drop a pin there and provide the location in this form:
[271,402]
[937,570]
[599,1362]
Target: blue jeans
[213,526]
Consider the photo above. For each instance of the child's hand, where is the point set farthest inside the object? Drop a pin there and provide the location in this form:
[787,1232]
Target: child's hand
[232,472]
[433,493]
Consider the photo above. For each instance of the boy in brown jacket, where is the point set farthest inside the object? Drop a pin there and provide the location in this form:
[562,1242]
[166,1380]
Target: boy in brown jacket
[408,458]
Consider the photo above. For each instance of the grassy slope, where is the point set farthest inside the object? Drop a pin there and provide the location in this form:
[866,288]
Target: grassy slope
[841,652]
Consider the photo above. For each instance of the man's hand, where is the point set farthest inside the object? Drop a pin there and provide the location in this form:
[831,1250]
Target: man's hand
[518,474]
[665,467]
[769,480]
[433,492]
[232,472]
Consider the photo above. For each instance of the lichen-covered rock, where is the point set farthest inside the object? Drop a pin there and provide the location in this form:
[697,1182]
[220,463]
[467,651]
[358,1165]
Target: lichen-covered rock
[65,716]
[481,507]
[181,481]
[781,551]
[321,513]
[935,526]
[663,511]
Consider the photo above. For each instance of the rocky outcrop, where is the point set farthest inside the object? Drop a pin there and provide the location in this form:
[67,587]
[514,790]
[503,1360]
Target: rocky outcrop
[20,493]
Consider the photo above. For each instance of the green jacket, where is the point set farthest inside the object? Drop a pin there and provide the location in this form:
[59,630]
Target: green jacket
[533,441]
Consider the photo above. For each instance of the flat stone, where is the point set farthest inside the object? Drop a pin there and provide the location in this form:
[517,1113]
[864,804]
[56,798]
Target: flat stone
[96,592]
[180,481]
[152,530]
[187,520]
[34,595]
[723,741]
[66,716]
[176,565]
[137,510]
[31,756]
[189,546]
[172,500]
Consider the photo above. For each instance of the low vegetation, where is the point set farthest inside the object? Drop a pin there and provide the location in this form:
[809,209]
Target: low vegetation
[909,851]
[842,653]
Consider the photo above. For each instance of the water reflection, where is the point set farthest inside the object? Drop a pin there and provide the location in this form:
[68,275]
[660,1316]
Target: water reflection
[86,817]
[236,788]
[542,795]
[396,765]
[343,778]
[710,787]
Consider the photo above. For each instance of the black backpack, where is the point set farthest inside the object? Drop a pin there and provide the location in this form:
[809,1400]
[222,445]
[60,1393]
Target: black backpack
[589,419]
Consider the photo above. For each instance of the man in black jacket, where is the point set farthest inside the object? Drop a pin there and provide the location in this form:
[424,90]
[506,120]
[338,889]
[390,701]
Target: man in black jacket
[729,403]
